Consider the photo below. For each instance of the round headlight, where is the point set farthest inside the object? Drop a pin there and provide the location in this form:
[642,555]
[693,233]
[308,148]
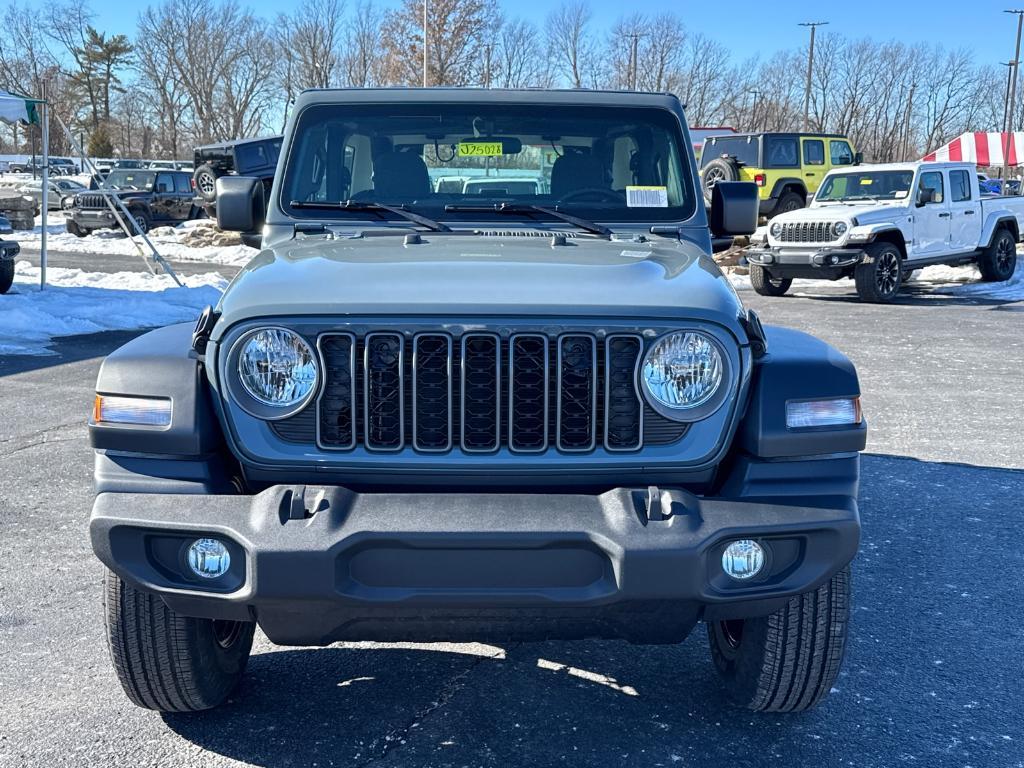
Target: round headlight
[776,229]
[682,370]
[277,367]
[839,228]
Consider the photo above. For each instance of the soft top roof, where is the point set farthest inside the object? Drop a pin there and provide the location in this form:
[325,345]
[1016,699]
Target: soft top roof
[544,96]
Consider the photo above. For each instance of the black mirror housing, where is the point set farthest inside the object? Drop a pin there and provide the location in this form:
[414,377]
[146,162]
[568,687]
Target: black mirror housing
[241,204]
[924,197]
[734,208]
[858,158]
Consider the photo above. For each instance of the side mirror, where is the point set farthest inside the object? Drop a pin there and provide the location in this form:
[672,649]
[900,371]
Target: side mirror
[240,204]
[734,208]
[161,188]
[858,158]
[924,197]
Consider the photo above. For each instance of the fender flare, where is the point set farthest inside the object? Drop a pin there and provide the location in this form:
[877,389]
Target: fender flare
[787,181]
[995,221]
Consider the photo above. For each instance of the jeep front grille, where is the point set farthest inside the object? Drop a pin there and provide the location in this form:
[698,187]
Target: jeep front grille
[806,232]
[479,392]
[90,201]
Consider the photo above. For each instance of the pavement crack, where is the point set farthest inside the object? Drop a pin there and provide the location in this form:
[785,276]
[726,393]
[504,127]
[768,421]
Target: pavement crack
[40,437]
[396,737]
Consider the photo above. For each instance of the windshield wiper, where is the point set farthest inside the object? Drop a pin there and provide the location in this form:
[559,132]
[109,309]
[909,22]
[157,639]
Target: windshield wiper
[576,221]
[359,205]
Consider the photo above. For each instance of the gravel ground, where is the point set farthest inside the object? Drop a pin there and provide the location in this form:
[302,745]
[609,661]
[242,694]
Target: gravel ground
[932,675]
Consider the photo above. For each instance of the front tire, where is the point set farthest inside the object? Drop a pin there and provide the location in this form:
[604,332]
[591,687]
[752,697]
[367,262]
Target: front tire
[6,275]
[879,278]
[998,262]
[169,662]
[787,661]
[766,285]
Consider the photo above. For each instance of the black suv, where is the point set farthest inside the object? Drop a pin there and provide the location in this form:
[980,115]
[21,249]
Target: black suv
[151,197]
[244,157]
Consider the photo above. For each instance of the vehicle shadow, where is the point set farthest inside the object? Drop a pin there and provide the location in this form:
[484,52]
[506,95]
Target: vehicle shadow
[68,349]
[910,295]
[933,637]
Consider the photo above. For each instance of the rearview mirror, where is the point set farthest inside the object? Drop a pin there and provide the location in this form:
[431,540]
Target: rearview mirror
[484,146]
[734,208]
[241,206]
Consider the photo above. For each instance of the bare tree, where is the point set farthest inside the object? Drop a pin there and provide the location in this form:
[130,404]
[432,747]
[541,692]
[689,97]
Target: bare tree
[520,59]
[363,62]
[571,46]
[455,33]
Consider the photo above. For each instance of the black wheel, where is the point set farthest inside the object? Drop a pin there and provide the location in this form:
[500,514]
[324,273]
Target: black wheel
[878,279]
[74,229]
[6,275]
[790,201]
[169,662]
[907,275]
[205,179]
[766,285]
[719,169]
[998,262]
[787,661]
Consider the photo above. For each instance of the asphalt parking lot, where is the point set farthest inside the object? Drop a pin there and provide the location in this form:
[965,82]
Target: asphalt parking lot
[932,675]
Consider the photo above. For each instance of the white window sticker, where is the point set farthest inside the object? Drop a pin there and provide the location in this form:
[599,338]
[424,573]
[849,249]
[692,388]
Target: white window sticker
[646,197]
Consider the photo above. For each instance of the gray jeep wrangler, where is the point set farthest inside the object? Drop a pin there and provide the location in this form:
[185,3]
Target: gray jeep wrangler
[484,413]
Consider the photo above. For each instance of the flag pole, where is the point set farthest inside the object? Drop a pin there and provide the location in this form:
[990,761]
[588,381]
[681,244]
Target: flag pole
[45,120]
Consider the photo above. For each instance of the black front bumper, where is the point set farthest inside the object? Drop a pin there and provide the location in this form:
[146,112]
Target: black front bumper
[93,218]
[330,564]
[811,262]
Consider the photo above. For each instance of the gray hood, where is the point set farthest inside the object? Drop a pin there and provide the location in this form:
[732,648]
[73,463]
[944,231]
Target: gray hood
[466,275]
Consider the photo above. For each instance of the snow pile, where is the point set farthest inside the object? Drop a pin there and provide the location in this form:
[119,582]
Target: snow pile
[171,242]
[1010,290]
[76,302]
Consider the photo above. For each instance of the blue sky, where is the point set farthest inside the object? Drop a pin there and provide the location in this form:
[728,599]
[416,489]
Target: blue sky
[751,25]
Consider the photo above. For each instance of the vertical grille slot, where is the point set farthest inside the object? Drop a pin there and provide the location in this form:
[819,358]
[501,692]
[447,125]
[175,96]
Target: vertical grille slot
[481,392]
[432,392]
[623,427]
[384,400]
[528,393]
[577,392]
[336,426]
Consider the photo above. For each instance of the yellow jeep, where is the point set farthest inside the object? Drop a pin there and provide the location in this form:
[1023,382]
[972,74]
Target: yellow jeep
[786,167]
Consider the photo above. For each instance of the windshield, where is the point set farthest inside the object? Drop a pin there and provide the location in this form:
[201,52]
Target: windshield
[131,179]
[596,162]
[866,185]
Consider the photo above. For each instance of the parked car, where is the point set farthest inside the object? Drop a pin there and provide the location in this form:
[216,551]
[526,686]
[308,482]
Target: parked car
[9,249]
[469,420]
[169,165]
[879,223]
[152,198]
[129,165]
[63,166]
[244,157]
[502,187]
[786,167]
[58,190]
[31,165]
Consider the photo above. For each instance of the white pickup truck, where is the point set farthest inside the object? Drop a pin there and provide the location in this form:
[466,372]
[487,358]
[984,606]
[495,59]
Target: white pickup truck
[878,223]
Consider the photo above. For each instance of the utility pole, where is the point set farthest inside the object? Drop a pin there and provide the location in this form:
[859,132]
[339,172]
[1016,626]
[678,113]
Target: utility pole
[906,122]
[1010,68]
[425,43]
[753,108]
[633,56]
[810,69]
[1013,94]
[487,64]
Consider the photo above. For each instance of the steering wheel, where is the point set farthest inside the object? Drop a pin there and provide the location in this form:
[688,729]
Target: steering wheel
[600,192]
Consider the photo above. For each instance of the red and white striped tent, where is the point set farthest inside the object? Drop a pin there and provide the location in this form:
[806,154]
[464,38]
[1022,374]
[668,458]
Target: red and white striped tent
[981,148]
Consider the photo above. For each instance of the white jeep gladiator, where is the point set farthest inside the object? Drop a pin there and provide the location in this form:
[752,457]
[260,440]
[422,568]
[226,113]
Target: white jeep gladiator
[879,223]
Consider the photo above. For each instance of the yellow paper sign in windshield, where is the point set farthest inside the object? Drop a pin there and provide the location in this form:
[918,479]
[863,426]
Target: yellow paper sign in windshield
[480,149]
[866,182]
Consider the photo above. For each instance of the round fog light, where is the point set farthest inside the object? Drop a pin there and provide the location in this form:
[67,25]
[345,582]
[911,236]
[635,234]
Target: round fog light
[208,558]
[743,559]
